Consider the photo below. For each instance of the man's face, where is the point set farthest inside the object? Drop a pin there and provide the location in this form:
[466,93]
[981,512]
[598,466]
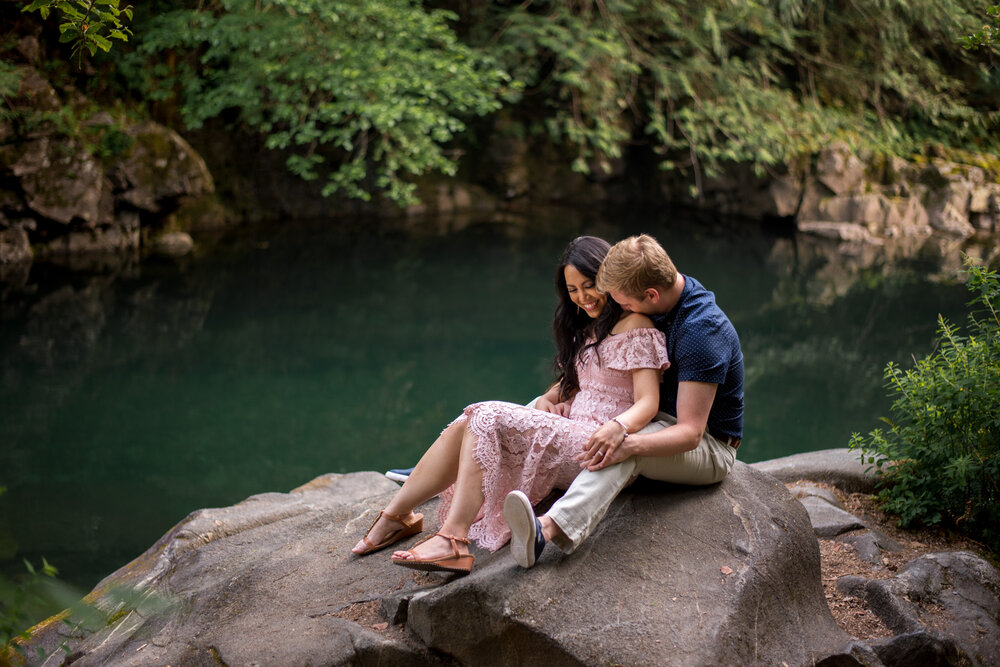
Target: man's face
[644,305]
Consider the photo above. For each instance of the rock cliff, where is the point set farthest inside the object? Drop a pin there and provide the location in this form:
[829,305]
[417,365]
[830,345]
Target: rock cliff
[108,186]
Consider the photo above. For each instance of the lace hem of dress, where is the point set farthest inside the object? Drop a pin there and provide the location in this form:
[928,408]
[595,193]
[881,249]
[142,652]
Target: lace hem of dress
[531,437]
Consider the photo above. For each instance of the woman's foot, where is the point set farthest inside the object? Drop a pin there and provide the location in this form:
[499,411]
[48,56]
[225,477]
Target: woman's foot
[436,546]
[438,552]
[388,529]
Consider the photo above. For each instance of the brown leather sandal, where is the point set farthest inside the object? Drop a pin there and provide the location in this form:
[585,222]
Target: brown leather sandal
[458,562]
[416,526]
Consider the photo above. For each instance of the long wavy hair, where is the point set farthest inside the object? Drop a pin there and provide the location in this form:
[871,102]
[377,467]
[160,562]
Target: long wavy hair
[571,326]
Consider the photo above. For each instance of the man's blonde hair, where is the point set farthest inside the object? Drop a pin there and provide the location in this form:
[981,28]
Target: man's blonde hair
[634,265]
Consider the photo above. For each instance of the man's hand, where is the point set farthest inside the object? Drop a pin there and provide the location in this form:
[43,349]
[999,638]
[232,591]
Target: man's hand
[604,447]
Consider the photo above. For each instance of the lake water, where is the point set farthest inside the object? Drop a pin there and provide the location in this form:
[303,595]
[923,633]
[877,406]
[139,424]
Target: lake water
[132,397]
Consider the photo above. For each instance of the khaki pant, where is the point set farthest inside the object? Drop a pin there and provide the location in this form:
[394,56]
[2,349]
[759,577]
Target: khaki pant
[588,498]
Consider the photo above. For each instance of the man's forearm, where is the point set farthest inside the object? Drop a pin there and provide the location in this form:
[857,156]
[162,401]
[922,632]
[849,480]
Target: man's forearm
[670,441]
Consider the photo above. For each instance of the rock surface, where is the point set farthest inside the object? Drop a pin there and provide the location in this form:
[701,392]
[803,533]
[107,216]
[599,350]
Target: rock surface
[840,467]
[944,607]
[720,575]
[271,580]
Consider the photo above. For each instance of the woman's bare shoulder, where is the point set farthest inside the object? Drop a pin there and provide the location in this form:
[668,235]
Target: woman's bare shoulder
[632,321]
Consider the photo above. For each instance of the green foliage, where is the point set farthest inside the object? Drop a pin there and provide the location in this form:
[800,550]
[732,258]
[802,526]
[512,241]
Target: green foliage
[10,80]
[366,95]
[939,460]
[87,24]
[36,594]
[988,35]
[19,601]
[711,82]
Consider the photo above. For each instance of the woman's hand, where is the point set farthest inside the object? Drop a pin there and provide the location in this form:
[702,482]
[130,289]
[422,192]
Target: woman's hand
[604,447]
[561,409]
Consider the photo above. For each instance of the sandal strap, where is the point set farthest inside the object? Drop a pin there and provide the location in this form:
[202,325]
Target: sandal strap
[453,540]
[392,517]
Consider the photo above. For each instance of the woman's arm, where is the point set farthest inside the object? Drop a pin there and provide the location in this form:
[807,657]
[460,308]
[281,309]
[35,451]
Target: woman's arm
[549,401]
[694,402]
[606,439]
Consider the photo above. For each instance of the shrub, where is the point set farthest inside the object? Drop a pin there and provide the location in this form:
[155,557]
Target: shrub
[366,95]
[938,462]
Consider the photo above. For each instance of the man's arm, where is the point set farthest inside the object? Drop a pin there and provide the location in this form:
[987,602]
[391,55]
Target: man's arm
[694,402]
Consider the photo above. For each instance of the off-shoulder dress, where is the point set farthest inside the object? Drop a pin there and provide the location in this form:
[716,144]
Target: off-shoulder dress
[532,450]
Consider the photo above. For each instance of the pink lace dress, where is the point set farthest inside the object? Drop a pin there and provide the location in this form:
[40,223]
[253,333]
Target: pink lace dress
[532,450]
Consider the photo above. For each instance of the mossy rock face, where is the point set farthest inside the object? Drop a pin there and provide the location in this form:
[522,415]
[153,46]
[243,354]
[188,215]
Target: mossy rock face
[160,169]
[60,180]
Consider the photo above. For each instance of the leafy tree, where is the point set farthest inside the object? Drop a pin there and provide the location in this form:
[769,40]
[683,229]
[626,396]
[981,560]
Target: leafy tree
[939,460]
[87,24]
[988,35]
[367,95]
[706,83]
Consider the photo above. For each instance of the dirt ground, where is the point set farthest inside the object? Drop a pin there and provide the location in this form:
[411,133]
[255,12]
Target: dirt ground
[838,559]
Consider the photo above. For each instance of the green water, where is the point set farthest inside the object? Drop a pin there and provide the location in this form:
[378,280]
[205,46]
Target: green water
[132,398]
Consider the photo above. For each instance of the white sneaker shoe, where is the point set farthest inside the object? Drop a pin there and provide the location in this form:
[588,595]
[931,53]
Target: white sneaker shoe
[526,539]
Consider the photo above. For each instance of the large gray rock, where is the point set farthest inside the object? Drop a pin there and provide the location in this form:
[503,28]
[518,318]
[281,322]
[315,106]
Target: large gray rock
[60,179]
[827,520]
[266,582]
[839,169]
[727,574]
[943,607]
[841,467]
[720,575]
[161,168]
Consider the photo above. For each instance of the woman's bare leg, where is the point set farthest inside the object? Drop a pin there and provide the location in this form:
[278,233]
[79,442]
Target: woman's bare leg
[435,472]
[465,505]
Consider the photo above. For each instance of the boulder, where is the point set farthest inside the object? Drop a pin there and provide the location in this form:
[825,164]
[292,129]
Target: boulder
[161,168]
[60,179]
[739,557]
[943,607]
[172,244]
[842,468]
[828,520]
[726,574]
[839,169]
[14,246]
[268,581]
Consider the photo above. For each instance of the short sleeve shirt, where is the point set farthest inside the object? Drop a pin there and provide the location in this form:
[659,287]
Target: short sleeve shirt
[703,346]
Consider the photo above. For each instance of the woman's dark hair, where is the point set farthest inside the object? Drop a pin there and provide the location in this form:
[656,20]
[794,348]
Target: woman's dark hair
[571,326]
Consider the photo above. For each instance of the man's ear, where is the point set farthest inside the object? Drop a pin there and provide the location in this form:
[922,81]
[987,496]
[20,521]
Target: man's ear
[652,294]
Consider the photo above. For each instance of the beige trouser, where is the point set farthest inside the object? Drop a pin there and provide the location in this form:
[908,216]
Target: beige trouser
[588,498]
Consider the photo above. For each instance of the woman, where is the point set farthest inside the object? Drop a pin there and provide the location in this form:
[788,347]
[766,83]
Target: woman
[610,364]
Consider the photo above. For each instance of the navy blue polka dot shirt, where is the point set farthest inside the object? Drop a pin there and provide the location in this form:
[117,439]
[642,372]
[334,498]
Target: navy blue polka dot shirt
[704,347]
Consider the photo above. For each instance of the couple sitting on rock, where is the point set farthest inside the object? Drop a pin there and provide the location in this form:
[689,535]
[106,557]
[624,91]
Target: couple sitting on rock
[650,383]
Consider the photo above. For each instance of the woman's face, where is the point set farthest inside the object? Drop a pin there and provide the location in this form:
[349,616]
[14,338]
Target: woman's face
[583,291]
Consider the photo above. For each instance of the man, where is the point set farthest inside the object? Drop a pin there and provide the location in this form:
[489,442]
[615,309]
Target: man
[693,439]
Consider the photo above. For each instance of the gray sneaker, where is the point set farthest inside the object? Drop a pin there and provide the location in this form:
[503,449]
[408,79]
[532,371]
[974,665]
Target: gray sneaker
[399,474]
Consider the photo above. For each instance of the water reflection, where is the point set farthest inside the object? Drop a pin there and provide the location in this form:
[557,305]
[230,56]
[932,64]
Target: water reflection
[135,396]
